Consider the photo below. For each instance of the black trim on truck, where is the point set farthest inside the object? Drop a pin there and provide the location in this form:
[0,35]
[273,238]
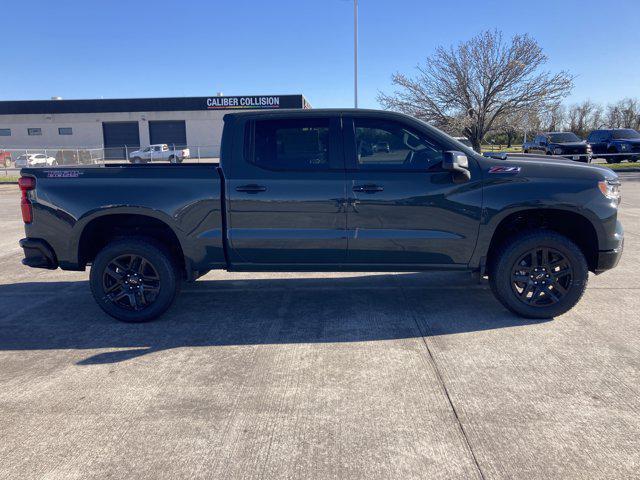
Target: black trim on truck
[38,254]
[608,259]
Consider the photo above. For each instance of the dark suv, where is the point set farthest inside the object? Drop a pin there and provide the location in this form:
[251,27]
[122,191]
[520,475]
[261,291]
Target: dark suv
[565,144]
[616,144]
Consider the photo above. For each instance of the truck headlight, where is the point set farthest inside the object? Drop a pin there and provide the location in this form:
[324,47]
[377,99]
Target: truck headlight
[610,189]
[589,148]
[557,151]
[624,147]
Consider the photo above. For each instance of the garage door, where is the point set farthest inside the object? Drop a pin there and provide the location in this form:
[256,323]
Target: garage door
[171,132]
[120,138]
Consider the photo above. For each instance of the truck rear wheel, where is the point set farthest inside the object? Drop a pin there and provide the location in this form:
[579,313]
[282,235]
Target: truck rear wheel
[134,280]
[539,274]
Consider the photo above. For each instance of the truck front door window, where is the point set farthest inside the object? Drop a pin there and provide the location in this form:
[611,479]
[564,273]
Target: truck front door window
[383,145]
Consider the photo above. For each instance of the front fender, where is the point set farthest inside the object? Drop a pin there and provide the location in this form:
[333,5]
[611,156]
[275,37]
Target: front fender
[505,197]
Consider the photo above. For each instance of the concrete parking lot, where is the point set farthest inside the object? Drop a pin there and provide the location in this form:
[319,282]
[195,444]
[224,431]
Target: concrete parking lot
[341,376]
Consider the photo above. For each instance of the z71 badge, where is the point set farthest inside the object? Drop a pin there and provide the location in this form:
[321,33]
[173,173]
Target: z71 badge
[504,169]
[63,173]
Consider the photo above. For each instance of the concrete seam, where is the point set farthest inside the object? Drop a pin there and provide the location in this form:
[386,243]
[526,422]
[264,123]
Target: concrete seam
[432,360]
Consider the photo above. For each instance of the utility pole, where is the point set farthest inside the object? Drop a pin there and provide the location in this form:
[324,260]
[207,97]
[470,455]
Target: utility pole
[355,53]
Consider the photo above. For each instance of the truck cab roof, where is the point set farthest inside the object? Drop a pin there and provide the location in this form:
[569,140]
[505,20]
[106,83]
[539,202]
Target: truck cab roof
[297,112]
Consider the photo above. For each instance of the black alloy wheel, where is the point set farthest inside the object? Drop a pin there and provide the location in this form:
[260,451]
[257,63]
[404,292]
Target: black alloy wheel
[131,282]
[541,277]
[538,273]
[134,280]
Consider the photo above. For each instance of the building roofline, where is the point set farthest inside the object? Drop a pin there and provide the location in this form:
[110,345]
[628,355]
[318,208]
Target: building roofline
[147,104]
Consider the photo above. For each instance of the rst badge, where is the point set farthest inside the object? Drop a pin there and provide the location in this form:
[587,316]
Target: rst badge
[504,169]
[63,173]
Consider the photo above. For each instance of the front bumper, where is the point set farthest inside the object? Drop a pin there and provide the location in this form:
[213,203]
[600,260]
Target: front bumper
[608,259]
[38,254]
[579,157]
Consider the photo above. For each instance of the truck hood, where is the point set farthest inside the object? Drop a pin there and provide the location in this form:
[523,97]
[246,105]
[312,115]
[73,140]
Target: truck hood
[544,166]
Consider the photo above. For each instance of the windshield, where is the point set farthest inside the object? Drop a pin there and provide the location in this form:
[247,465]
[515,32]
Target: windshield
[626,133]
[564,137]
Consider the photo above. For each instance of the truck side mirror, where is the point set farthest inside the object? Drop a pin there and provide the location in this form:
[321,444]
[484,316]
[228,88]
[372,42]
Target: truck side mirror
[458,164]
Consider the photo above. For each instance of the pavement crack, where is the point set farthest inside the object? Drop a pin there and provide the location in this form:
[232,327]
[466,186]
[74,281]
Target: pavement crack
[425,334]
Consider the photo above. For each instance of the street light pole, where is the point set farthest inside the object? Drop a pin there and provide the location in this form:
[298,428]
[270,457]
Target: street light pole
[355,53]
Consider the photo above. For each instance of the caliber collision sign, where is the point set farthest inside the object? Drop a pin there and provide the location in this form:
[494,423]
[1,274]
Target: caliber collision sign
[226,103]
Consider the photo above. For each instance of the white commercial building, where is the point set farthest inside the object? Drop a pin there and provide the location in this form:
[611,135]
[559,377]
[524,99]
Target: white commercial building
[115,125]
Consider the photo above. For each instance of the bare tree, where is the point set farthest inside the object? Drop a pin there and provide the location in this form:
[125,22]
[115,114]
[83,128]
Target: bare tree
[474,86]
[553,117]
[512,124]
[597,117]
[584,117]
[624,114]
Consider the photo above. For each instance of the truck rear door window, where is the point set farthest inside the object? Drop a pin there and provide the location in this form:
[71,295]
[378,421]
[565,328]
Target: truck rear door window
[300,144]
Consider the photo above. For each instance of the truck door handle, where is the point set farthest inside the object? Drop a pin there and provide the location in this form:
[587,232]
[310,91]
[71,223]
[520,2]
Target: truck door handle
[251,188]
[368,188]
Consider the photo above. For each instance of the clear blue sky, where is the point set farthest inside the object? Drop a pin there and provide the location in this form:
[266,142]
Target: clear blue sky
[142,48]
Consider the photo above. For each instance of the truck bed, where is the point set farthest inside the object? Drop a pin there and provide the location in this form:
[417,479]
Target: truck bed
[70,202]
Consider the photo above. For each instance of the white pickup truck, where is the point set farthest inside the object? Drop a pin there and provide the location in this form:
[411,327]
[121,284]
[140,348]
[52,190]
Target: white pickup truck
[159,153]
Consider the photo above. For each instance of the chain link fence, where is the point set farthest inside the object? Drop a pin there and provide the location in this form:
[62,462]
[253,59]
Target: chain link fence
[13,159]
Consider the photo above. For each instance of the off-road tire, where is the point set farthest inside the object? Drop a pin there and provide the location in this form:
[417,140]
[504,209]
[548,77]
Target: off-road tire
[506,261]
[164,267]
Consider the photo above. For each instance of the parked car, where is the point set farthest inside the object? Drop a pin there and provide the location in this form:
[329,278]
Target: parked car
[564,144]
[615,145]
[35,160]
[291,192]
[159,153]
[5,158]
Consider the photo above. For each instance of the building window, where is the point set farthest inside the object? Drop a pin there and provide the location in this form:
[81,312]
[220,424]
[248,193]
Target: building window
[65,131]
[5,132]
[34,131]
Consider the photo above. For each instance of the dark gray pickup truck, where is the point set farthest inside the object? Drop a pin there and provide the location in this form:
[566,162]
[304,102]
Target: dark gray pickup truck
[312,190]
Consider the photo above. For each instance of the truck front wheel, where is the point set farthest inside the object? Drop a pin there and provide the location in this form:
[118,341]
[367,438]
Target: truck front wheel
[134,280]
[539,274]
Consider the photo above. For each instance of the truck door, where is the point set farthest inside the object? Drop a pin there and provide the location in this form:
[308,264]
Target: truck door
[157,153]
[597,140]
[539,145]
[146,154]
[286,197]
[404,208]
